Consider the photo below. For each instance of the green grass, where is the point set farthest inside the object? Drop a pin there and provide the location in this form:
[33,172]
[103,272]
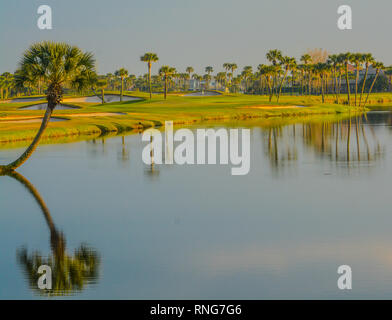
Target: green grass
[147,113]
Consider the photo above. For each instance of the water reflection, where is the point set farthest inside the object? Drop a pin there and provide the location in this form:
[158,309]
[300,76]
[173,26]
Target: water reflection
[71,273]
[345,143]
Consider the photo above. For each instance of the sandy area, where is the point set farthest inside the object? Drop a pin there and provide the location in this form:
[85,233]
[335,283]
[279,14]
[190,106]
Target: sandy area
[94,99]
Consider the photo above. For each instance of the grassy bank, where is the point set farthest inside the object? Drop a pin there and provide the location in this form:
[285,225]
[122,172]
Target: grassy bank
[96,119]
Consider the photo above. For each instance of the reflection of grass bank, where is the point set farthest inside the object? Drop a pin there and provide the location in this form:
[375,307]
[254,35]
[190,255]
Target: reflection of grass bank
[147,113]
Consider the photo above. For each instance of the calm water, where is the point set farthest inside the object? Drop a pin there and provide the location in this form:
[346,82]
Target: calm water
[311,202]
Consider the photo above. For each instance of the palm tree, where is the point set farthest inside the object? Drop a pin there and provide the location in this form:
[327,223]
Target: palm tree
[69,273]
[8,81]
[122,74]
[166,72]
[378,66]
[288,63]
[233,67]
[247,73]
[274,56]
[367,59]
[149,58]
[207,79]
[62,65]
[346,58]
[306,59]
[357,60]
[2,87]
[101,84]
[189,70]
[227,67]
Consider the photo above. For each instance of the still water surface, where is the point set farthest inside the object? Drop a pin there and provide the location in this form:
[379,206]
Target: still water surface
[314,199]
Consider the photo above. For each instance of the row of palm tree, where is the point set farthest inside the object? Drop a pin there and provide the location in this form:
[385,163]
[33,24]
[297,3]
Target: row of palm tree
[282,74]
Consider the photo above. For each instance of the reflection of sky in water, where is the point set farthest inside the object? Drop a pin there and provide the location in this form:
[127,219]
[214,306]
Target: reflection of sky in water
[198,232]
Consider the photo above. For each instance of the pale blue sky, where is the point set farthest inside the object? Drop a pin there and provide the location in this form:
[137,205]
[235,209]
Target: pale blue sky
[195,32]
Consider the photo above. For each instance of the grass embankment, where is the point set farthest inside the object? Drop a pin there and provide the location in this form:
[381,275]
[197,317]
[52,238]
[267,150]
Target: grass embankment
[144,113]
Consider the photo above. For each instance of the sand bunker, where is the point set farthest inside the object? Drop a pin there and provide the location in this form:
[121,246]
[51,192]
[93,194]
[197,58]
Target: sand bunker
[203,94]
[19,100]
[43,106]
[108,98]
[34,120]
[95,114]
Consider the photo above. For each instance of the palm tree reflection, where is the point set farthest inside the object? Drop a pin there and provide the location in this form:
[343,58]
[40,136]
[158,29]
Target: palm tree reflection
[70,272]
[345,142]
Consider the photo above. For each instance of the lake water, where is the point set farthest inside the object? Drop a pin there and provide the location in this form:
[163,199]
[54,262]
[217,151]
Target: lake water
[314,199]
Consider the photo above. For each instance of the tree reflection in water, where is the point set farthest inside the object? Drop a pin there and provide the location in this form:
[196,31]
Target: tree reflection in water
[70,272]
[346,142]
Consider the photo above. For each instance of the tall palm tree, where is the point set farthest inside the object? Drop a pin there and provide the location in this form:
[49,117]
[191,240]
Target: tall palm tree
[2,87]
[122,74]
[227,67]
[233,67]
[62,65]
[288,64]
[101,84]
[166,72]
[357,60]
[378,66]
[189,70]
[346,58]
[247,73]
[306,59]
[274,56]
[149,57]
[8,80]
[368,60]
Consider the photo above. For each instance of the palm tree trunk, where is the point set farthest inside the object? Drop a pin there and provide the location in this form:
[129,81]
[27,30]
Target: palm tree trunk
[348,86]
[149,78]
[103,96]
[356,85]
[371,87]
[364,83]
[165,87]
[29,151]
[122,86]
[281,84]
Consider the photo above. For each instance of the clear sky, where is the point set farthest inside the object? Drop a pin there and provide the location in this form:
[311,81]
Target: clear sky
[195,32]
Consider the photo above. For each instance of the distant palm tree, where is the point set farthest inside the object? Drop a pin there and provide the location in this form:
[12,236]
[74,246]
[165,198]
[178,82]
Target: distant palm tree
[149,58]
[357,60]
[378,66]
[101,84]
[247,73]
[346,58]
[62,65]
[207,79]
[189,70]
[8,82]
[167,72]
[227,67]
[368,60]
[288,64]
[306,59]
[122,74]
